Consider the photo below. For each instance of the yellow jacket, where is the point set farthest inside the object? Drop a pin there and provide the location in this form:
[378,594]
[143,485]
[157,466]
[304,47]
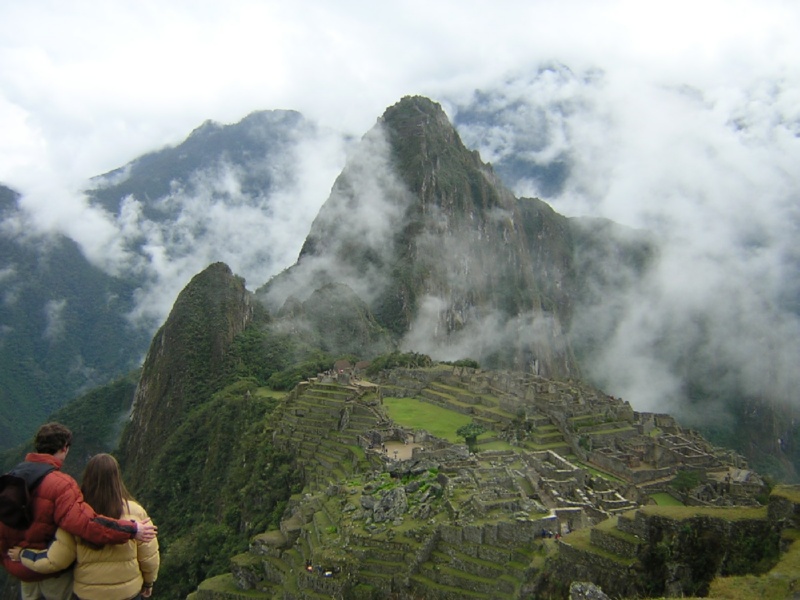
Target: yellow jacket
[113,572]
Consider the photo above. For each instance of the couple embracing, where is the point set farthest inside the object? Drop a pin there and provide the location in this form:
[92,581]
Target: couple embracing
[98,527]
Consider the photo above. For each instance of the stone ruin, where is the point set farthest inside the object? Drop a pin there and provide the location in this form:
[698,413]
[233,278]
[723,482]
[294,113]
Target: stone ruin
[444,520]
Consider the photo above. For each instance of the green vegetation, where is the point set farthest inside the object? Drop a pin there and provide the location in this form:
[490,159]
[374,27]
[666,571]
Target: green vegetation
[64,330]
[470,433]
[581,539]
[417,414]
[595,471]
[664,499]
[693,546]
[217,482]
[96,420]
[290,377]
[685,480]
[790,493]
[464,362]
[733,513]
[752,587]
[494,445]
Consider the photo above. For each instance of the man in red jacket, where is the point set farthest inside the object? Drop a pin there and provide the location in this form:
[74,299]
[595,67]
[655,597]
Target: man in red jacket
[58,502]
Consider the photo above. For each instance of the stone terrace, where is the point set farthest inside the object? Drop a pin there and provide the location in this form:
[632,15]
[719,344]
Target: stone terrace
[446,523]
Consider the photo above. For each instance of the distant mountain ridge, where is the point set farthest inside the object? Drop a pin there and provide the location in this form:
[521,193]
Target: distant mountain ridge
[259,146]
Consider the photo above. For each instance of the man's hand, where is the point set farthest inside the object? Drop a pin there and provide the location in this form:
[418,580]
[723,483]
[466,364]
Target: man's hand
[145,530]
[13,554]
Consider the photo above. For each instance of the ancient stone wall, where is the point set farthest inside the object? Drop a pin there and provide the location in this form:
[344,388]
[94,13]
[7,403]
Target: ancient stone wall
[614,544]
[612,576]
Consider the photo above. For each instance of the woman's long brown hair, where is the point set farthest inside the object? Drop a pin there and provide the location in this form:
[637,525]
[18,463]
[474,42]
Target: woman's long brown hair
[103,488]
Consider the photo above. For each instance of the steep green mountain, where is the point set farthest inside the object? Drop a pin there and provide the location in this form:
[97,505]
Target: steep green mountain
[197,450]
[63,326]
[184,363]
[445,257]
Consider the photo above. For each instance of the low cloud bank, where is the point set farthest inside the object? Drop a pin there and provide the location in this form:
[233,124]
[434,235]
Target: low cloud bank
[711,173]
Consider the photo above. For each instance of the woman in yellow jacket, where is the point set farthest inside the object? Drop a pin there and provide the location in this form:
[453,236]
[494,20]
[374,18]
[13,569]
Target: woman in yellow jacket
[115,572]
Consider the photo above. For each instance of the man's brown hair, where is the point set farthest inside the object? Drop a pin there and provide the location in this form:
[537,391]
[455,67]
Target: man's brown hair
[51,438]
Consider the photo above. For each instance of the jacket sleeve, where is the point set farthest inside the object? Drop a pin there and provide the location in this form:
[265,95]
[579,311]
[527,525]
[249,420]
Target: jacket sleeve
[56,557]
[148,556]
[78,518]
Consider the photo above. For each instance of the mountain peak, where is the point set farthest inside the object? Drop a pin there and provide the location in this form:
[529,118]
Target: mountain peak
[426,235]
[184,359]
[416,111]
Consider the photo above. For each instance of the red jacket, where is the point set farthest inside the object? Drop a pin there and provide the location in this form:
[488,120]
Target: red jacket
[58,502]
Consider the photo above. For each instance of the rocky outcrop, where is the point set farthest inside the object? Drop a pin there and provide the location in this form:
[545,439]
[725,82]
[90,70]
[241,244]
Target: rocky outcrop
[580,590]
[678,551]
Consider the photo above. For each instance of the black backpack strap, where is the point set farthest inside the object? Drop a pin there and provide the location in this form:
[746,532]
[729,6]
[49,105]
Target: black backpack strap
[32,472]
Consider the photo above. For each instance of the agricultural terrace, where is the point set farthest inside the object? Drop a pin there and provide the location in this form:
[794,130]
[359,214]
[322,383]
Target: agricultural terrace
[436,420]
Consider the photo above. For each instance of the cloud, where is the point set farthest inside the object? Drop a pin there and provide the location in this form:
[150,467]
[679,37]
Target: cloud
[87,87]
[479,335]
[217,220]
[366,208]
[709,173]
[706,168]
[54,319]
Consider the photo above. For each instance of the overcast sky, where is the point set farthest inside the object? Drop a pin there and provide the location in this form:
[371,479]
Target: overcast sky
[684,118]
[86,86]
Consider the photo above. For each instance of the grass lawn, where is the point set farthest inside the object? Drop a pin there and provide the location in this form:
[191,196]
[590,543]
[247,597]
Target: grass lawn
[265,392]
[664,499]
[733,513]
[438,421]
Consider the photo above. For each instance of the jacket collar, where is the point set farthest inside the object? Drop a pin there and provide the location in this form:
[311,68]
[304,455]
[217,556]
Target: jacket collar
[44,458]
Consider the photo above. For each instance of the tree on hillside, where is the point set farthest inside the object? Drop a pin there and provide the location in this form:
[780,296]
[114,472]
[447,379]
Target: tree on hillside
[470,433]
[685,481]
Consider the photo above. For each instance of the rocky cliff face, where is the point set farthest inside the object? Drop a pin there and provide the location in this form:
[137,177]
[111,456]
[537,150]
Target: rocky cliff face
[184,361]
[443,254]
